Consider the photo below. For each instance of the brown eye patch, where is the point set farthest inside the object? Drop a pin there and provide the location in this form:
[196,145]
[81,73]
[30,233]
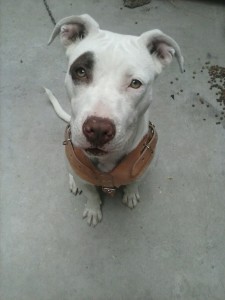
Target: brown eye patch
[81,69]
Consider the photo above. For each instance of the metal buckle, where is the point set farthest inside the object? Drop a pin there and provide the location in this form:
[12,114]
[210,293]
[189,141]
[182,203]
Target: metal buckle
[66,142]
[108,190]
[149,147]
[151,126]
[69,139]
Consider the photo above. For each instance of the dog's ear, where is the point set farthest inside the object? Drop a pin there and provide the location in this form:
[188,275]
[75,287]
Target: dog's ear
[73,28]
[162,48]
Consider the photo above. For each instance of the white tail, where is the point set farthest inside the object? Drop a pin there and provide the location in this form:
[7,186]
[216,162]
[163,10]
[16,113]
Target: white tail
[58,108]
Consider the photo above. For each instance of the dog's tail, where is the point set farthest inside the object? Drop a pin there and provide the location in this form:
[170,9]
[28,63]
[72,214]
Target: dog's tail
[58,109]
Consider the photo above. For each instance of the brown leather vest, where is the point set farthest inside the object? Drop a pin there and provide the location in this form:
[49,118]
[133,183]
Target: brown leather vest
[128,169]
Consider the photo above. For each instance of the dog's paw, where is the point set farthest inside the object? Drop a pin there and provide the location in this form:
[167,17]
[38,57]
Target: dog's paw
[93,215]
[73,187]
[131,198]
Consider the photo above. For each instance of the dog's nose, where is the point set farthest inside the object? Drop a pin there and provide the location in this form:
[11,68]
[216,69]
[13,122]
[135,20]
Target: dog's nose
[99,131]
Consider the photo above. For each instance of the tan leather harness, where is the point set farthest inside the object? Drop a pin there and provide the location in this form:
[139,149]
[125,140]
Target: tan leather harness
[128,169]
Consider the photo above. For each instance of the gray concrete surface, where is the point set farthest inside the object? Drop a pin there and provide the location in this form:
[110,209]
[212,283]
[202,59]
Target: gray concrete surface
[172,246]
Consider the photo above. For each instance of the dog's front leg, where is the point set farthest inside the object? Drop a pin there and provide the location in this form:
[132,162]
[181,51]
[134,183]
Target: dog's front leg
[73,187]
[131,195]
[92,209]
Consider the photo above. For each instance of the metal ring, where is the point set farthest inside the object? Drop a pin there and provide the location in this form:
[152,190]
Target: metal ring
[66,142]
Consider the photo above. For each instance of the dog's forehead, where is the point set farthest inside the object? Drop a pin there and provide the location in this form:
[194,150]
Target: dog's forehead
[109,47]
[107,54]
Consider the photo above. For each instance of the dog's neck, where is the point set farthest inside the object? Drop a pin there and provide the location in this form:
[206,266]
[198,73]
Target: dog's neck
[107,162]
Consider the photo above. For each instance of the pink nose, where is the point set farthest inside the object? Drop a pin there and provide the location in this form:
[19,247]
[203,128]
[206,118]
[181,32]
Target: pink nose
[98,131]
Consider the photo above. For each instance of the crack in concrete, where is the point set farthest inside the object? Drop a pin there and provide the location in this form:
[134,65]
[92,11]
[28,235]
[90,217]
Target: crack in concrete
[49,12]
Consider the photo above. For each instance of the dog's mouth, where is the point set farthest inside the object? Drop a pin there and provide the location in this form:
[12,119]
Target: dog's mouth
[95,151]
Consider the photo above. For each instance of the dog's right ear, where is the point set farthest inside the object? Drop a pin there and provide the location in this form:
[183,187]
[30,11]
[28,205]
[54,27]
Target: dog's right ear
[73,28]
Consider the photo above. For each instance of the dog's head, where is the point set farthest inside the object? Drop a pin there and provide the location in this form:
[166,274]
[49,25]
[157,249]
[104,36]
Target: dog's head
[109,81]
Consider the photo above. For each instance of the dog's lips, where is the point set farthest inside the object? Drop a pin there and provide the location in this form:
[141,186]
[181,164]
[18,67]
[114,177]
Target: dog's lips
[95,151]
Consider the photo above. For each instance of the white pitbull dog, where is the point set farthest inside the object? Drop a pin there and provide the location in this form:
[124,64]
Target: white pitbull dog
[109,83]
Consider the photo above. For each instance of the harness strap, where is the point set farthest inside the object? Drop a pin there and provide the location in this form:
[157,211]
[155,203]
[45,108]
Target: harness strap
[128,169]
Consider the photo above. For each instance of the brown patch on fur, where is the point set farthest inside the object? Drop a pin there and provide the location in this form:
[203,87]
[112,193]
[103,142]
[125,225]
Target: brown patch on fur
[81,69]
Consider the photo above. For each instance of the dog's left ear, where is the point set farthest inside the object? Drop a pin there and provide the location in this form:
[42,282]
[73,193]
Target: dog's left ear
[162,48]
[74,28]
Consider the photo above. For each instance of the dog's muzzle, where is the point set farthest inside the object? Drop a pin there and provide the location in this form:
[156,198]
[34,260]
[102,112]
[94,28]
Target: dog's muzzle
[128,169]
[98,131]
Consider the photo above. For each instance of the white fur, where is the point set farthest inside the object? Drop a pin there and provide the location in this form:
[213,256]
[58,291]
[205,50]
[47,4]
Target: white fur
[60,112]
[118,60]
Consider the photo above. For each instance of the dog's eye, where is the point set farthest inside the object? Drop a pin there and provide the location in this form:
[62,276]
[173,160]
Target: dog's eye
[135,84]
[81,73]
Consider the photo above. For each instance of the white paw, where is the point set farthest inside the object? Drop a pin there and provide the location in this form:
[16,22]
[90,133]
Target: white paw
[93,215]
[131,199]
[73,187]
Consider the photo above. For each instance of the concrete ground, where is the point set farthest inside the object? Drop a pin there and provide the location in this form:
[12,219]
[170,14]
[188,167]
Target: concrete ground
[172,246]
